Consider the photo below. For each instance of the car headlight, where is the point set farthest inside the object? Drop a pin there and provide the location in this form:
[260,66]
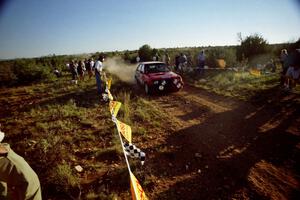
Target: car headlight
[175,81]
[155,82]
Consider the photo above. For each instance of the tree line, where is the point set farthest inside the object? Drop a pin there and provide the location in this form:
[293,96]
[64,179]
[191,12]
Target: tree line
[252,49]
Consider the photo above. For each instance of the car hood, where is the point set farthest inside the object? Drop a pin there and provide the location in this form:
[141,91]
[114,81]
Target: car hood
[163,75]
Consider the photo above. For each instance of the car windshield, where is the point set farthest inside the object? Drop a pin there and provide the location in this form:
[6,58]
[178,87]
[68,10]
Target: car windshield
[156,68]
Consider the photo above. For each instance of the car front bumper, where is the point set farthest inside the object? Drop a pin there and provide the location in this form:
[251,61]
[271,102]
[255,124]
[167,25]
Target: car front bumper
[167,85]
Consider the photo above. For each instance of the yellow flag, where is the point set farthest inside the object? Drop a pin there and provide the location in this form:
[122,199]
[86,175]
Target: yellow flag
[114,107]
[125,130]
[108,83]
[255,72]
[137,191]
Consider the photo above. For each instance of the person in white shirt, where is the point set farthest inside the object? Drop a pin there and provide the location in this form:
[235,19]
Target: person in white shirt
[98,72]
[92,64]
[138,59]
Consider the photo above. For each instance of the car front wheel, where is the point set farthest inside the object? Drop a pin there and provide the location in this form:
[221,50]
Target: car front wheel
[147,89]
[136,81]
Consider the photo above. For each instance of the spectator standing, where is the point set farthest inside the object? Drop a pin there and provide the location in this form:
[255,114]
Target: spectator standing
[68,66]
[284,65]
[81,69]
[73,69]
[89,68]
[166,58]
[189,62]
[154,58]
[98,73]
[138,59]
[92,64]
[86,65]
[177,62]
[292,76]
[201,61]
[157,57]
[182,62]
[18,180]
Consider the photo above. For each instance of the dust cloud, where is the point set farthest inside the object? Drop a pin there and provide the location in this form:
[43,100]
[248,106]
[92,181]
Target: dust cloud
[117,66]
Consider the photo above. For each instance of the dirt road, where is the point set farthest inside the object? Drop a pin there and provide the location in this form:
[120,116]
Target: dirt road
[221,148]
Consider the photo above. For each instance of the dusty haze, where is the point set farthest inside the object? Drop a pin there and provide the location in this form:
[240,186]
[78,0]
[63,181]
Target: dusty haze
[121,69]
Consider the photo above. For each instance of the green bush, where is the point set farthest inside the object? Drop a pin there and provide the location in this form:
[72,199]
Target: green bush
[226,53]
[27,72]
[130,56]
[145,53]
[7,75]
[251,46]
[23,71]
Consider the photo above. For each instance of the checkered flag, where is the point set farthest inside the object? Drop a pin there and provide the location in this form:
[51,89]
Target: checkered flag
[134,152]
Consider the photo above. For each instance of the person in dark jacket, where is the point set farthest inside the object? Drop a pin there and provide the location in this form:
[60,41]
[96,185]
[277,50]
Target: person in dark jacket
[73,70]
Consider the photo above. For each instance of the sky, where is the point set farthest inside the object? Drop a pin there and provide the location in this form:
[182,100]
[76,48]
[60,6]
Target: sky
[33,28]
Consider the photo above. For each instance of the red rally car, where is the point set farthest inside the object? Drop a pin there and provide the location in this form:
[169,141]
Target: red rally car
[157,76]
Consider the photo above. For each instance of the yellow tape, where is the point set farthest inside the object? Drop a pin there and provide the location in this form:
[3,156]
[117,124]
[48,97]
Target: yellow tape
[125,130]
[137,191]
[109,83]
[110,97]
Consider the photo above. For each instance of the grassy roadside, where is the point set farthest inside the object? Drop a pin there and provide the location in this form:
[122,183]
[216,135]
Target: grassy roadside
[56,126]
[241,85]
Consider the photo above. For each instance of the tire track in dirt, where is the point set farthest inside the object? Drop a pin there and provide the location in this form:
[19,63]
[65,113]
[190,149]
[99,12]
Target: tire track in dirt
[216,142]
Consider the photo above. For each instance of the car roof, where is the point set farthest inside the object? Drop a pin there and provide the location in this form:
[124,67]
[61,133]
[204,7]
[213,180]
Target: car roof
[151,62]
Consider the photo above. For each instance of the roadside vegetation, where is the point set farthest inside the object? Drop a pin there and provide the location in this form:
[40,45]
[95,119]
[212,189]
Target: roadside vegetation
[56,125]
[241,85]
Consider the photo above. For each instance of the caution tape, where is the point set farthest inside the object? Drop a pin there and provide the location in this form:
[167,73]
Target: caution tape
[128,148]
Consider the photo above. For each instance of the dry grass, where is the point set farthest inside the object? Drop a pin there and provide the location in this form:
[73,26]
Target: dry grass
[57,125]
[241,85]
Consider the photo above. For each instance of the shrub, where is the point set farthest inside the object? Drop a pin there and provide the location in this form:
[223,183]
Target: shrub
[251,46]
[30,72]
[145,52]
[7,75]
[130,56]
